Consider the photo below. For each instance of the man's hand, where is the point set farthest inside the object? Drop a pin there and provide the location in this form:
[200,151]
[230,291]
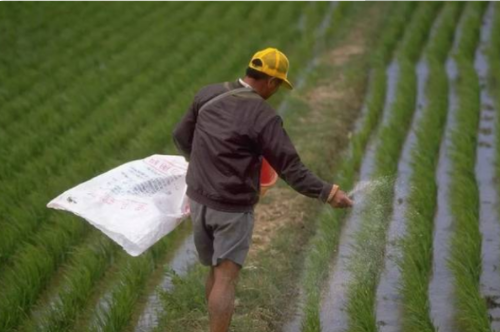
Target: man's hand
[339,199]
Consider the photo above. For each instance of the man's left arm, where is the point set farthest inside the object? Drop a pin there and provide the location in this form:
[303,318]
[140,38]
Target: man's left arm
[280,152]
[184,132]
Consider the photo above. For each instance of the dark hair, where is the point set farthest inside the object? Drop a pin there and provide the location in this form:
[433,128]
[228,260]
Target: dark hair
[255,74]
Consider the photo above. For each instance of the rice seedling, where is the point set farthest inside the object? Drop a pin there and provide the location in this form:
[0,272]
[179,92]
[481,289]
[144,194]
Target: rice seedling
[325,241]
[50,238]
[368,254]
[112,136]
[416,246]
[465,261]
[61,159]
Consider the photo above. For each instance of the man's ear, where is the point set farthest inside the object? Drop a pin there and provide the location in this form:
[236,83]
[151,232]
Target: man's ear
[274,82]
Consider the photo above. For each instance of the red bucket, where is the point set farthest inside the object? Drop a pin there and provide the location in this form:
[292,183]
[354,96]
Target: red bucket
[268,177]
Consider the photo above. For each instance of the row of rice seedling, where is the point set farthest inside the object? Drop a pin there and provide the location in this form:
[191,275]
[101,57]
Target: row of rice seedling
[367,259]
[63,127]
[47,235]
[42,167]
[388,299]
[62,65]
[416,245]
[325,241]
[87,265]
[96,163]
[115,60]
[465,262]
[22,73]
[59,159]
[56,70]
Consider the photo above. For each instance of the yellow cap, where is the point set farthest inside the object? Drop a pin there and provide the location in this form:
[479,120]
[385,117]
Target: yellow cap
[274,63]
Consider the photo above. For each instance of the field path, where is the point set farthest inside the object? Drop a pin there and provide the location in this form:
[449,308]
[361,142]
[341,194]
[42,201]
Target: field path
[485,175]
[388,299]
[333,317]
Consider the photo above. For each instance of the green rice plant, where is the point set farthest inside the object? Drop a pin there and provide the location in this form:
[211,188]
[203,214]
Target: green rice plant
[86,103]
[441,42]
[324,243]
[37,30]
[130,285]
[178,310]
[412,44]
[32,86]
[35,199]
[465,261]
[390,38]
[15,190]
[367,259]
[56,246]
[86,266]
[416,245]
[368,255]
[469,34]
[118,314]
[158,137]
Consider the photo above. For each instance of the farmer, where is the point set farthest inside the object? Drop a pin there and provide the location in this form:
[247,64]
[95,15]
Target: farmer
[225,134]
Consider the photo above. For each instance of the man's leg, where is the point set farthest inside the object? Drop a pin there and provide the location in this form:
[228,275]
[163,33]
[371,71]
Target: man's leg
[221,299]
[209,283]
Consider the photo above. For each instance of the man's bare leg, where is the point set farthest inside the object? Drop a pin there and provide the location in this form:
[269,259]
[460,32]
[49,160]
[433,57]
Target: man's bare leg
[209,283]
[221,299]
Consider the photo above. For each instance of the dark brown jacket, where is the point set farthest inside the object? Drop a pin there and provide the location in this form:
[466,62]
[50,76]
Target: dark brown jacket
[225,144]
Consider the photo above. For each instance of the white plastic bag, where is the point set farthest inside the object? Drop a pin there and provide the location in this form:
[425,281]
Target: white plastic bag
[135,204]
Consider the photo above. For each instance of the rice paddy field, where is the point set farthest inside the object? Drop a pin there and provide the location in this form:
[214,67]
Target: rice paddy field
[396,102]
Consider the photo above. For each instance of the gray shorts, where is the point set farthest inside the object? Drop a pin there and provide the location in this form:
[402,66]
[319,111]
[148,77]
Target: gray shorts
[220,235]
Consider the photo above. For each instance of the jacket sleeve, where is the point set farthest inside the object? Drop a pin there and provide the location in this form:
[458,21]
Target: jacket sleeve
[281,154]
[184,132]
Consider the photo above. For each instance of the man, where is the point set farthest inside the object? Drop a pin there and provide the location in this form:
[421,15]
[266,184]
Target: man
[225,134]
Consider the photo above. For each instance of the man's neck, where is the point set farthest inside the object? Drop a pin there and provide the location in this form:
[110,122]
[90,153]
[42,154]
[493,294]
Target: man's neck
[253,84]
